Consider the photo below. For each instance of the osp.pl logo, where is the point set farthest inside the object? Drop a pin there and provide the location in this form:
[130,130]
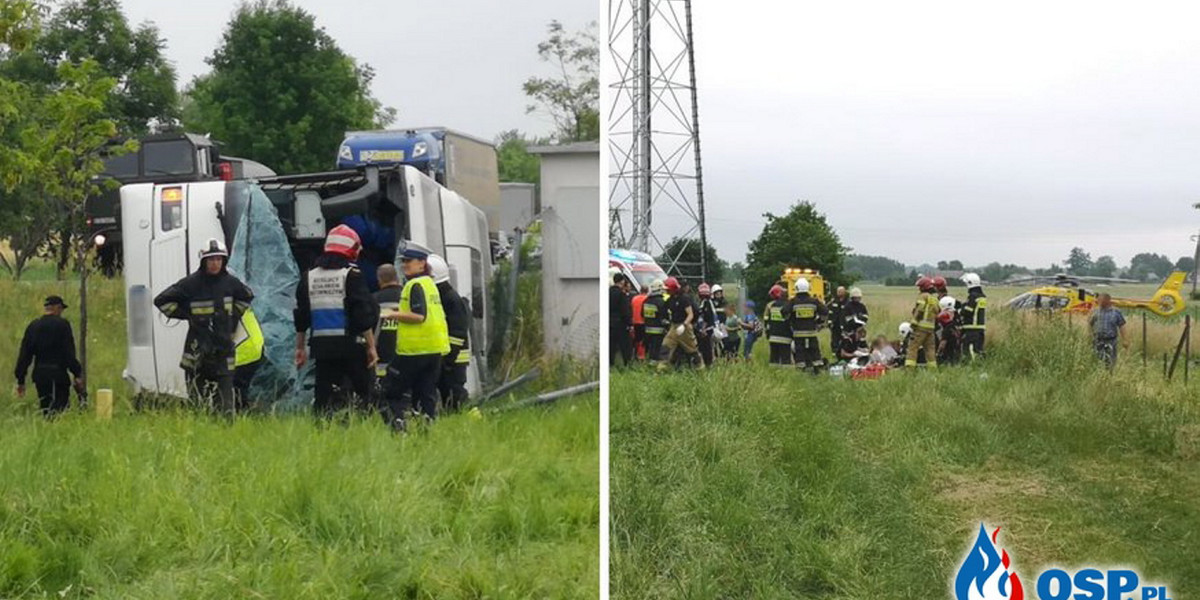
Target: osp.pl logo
[986,574]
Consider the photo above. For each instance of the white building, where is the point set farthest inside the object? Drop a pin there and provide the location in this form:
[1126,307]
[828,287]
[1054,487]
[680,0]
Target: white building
[571,250]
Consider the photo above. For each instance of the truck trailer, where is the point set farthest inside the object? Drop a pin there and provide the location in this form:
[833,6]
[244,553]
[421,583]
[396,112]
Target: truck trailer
[463,163]
[275,227]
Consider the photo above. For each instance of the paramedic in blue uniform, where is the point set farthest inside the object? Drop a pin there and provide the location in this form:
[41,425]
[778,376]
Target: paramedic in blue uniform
[333,301]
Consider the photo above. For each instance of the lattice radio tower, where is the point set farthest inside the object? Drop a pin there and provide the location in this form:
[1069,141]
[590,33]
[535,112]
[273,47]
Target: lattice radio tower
[656,188]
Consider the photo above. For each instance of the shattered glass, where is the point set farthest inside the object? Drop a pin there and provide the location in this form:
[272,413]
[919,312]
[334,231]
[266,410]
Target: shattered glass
[262,258]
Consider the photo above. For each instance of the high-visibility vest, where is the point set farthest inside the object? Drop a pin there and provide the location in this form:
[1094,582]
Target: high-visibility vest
[926,311]
[248,340]
[431,336]
[977,314]
[327,301]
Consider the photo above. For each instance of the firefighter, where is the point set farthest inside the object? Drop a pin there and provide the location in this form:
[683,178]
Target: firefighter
[906,332]
[924,313]
[973,316]
[388,299]
[422,339]
[805,316]
[853,310]
[681,314]
[619,318]
[718,296]
[837,316]
[707,323]
[854,349]
[212,301]
[452,385]
[49,346]
[639,323]
[248,346]
[939,283]
[654,315]
[779,333]
[334,301]
[950,338]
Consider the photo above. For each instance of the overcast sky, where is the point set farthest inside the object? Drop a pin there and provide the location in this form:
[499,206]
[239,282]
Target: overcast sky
[456,63]
[1000,131]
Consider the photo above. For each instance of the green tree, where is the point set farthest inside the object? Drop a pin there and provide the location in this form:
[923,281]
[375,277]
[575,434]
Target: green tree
[685,254]
[572,97]
[873,268]
[144,93]
[281,91]
[1185,263]
[19,24]
[515,162]
[1079,262]
[1105,267]
[1147,264]
[801,238]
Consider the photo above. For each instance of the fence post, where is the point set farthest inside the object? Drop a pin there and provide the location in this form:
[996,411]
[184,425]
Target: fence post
[1187,345]
[1145,350]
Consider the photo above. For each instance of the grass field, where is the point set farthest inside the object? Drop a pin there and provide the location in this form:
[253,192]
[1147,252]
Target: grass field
[163,505]
[751,482]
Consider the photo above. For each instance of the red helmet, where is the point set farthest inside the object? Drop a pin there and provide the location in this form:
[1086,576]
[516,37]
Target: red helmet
[945,317]
[704,290]
[776,291]
[939,282]
[672,285]
[343,240]
[925,284]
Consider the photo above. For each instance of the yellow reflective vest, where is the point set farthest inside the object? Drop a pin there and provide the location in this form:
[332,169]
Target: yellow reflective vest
[431,336]
[248,340]
[926,311]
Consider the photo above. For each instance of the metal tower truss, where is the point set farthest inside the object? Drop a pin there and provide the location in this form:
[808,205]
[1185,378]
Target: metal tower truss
[656,189]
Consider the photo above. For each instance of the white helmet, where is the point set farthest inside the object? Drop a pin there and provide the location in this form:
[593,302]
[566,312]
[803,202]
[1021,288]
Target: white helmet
[213,247]
[905,328]
[656,286]
[438,269]
[716,288]
[947,303]
[971,280]
[856,293]
[802,286]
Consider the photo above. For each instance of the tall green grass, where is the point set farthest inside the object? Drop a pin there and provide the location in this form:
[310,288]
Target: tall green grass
[748,481]
[175,505]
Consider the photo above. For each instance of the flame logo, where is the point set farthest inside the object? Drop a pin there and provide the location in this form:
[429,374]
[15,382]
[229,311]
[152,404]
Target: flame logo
[984,573]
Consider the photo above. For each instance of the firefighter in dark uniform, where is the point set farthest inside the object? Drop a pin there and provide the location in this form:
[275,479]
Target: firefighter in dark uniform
[422,340]
[212,301]
[837,316]
[854,310]
[779,333]
[620,318]
[654,314]
[707,322]
[334,302]
[973,315]
[388,299]
[49,345]
[949,332]
[452,385]
[805,316]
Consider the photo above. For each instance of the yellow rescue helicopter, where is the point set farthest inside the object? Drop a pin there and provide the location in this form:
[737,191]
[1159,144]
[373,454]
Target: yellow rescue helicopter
[1066,294]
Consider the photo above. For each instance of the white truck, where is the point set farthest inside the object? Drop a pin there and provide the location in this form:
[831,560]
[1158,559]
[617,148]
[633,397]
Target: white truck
[274,228]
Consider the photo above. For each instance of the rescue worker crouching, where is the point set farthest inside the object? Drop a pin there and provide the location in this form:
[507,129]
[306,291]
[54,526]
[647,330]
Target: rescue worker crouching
[334,302]
[212,301]
[779,333]
[924,322]
[422,339]
[452,384]
[805,316]
[973,316]
[654,315]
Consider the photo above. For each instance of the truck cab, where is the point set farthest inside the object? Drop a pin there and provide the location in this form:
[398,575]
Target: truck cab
[164,225]
[816,283]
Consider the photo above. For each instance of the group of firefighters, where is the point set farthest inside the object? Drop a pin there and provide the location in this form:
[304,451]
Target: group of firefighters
[401,350]
[664,325]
